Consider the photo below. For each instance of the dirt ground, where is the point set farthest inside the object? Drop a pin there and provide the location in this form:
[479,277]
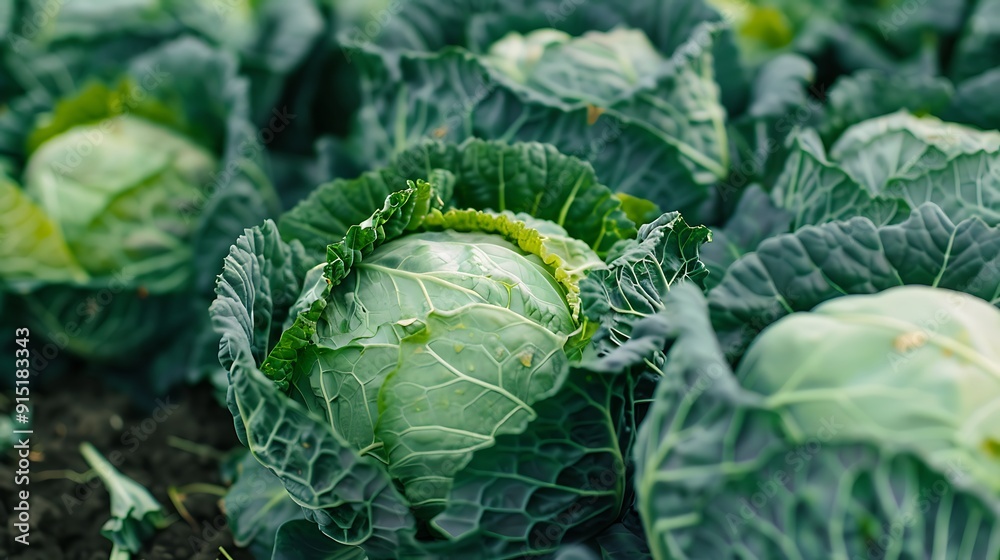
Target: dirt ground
[155,450]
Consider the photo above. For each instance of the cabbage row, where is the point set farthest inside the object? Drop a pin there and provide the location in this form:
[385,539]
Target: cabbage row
[567,280]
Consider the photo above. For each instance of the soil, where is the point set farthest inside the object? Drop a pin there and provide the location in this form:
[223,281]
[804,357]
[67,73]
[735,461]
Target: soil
[66,516]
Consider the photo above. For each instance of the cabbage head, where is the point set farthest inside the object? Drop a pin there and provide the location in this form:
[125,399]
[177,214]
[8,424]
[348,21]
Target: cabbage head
[398,348]
[913,367]
[125,203]
[115,198]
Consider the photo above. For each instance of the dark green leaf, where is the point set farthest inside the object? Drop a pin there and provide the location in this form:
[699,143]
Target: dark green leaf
[640,275]
[301,540]
[257,505]
[796,272]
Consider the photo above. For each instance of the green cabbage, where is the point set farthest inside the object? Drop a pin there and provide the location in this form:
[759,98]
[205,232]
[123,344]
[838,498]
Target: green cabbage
[911,367]
[120,191]
[397,349]
[118,197]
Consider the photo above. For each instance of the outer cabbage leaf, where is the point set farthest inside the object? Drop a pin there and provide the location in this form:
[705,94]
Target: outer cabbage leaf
[641,273]
[350,497]
[478,25]
[900,145]
[523,495]
[755,219]
[796,272]
[780,86]
[883,167]
[248,314]
[32,247]
[596,68]
[90,37]
[974,102]
[976,51]
[428,26]
[815,190]
[101,321]
[299,540]
[626,300]
[621,542]
[317,466]
[529,178]
[967,187]
[272,38]
[779,102]
[621,71]
[8,87]
[257,506]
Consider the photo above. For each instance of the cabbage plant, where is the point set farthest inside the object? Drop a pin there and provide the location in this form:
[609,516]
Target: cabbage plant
[632,89]
[425,365]
[833,396]
[118,196]
[883,168]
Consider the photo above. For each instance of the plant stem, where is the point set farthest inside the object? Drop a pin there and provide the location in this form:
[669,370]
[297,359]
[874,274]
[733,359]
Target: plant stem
[178,500]
[198,449]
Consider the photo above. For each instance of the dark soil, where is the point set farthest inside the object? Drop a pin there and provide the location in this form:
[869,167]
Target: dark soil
[66,516]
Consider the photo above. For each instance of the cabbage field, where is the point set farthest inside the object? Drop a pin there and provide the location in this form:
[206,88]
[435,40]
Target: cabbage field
[500,279]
